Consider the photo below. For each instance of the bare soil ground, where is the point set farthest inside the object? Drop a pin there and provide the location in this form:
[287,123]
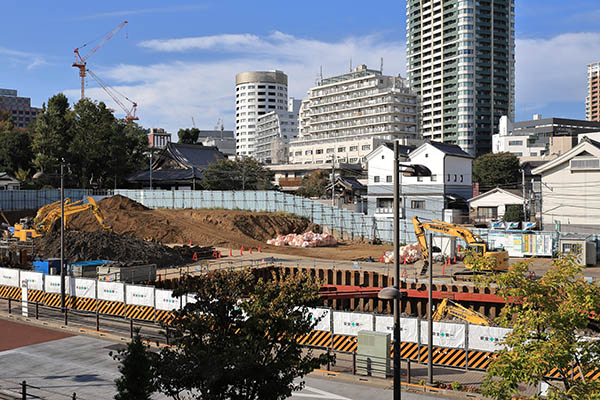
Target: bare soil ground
[221,228]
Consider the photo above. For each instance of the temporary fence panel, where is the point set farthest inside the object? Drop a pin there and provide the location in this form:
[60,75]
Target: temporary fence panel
[486,338]
[409,331]
[9,277]
[444,334]
[324,317]
[139,295]
[351,323]
[83,287]
[165,300]
[52,284]
[111,291]
[35,280]
[190,298]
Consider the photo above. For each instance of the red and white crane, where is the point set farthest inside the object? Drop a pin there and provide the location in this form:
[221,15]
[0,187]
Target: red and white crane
[81,61]
[115,94]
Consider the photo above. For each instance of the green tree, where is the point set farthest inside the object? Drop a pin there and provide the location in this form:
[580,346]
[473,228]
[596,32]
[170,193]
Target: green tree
[135,365]
[15,146]
[548,317]
[514,213]
[103,148]
[238,338]
[188,135]
[52,134]
[239,174]
[491,170]
[315,184]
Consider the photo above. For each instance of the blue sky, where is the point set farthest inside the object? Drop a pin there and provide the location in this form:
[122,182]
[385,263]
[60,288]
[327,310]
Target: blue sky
[178,59]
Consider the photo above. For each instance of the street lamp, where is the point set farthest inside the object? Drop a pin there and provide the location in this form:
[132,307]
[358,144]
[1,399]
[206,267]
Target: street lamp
[41,175]
[394,293]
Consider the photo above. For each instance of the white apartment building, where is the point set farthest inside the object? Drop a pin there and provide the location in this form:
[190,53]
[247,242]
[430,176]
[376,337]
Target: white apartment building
[347,116]
[256,93]
[273,133]
[592,100]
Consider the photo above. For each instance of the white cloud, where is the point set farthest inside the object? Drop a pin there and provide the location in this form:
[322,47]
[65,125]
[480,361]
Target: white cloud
[18,57]
[169,94]
[554,69]
[124,13]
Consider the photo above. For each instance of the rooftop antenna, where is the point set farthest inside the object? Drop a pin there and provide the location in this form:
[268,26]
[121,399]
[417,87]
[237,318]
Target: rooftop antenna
[350,64]
[321,72]
[381,67]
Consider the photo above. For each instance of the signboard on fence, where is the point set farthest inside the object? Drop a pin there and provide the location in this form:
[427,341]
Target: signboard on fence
[408,327]
[52,284]
[111,291]
[35,280]
[486,338]
[351,323]
[139,295]
[444,334]
[190,298]
[82,287]
[324,316]
[165,300]
[9,277]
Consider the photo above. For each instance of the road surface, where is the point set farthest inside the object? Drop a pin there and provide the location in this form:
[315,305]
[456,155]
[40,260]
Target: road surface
[60,365]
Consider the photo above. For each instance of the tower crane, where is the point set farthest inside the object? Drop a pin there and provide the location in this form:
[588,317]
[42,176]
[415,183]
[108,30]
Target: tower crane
[115,94]
[81,61]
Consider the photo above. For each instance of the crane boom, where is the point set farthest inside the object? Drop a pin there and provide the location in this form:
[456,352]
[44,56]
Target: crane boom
[81,61]
[113,93]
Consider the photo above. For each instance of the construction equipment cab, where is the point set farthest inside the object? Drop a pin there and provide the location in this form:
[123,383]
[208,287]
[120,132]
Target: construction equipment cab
[499,257]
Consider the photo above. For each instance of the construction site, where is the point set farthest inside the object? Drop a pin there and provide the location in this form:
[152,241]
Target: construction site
[119,239]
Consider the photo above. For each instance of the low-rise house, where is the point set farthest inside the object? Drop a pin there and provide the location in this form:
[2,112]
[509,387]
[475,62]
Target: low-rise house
[492,205]
[441,196]
[8,182]
[569,189]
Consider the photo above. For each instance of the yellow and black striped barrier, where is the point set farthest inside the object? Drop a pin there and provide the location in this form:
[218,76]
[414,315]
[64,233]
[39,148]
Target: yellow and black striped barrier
[10,292]
[139,312]
[408,351]
[164,316]
[316,339]
[480,359]
[111,308]
[345,343]
[83,304]
[444,356]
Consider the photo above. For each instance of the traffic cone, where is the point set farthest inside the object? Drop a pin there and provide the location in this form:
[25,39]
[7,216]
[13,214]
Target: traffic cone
[214,254]
[250,250]
[404,260]
[195,258]
[443,270]
[259,250]
[381,259]
[191,242]
[454,260]
[219,253]
[242,251]
[242,247]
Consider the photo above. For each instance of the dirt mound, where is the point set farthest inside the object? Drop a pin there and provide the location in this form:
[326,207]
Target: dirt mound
[205,227]
[119,202]
[84,246]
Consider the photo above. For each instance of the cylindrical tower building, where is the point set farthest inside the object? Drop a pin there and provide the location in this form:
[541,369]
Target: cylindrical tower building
[256,93]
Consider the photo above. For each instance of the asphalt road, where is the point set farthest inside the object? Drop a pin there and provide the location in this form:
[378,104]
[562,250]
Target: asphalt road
[60,367]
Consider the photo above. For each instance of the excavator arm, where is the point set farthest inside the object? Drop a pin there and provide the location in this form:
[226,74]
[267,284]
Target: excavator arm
[46,224]
[448,307]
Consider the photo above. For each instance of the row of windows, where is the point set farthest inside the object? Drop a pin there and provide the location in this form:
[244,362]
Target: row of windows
[251,86]
[433,178]
[330,150]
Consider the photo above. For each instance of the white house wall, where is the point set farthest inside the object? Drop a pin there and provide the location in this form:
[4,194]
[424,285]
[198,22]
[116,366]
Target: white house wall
[497,199]
[570,198]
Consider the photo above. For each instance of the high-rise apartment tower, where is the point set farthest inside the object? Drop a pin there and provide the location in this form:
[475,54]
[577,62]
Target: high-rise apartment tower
[460,60]
[256,93]
[592,102]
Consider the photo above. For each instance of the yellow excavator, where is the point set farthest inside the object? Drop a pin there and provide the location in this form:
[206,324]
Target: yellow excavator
[475,243]
[449,307]
[48,215]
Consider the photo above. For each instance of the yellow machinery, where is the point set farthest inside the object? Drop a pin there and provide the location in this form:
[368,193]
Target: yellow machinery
[474,243]
[448,307]
[47,216]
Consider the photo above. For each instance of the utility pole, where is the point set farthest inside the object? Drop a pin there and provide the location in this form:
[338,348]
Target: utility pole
[523,188]
[150,168]
[430,314]
[397,329]
[332,180]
